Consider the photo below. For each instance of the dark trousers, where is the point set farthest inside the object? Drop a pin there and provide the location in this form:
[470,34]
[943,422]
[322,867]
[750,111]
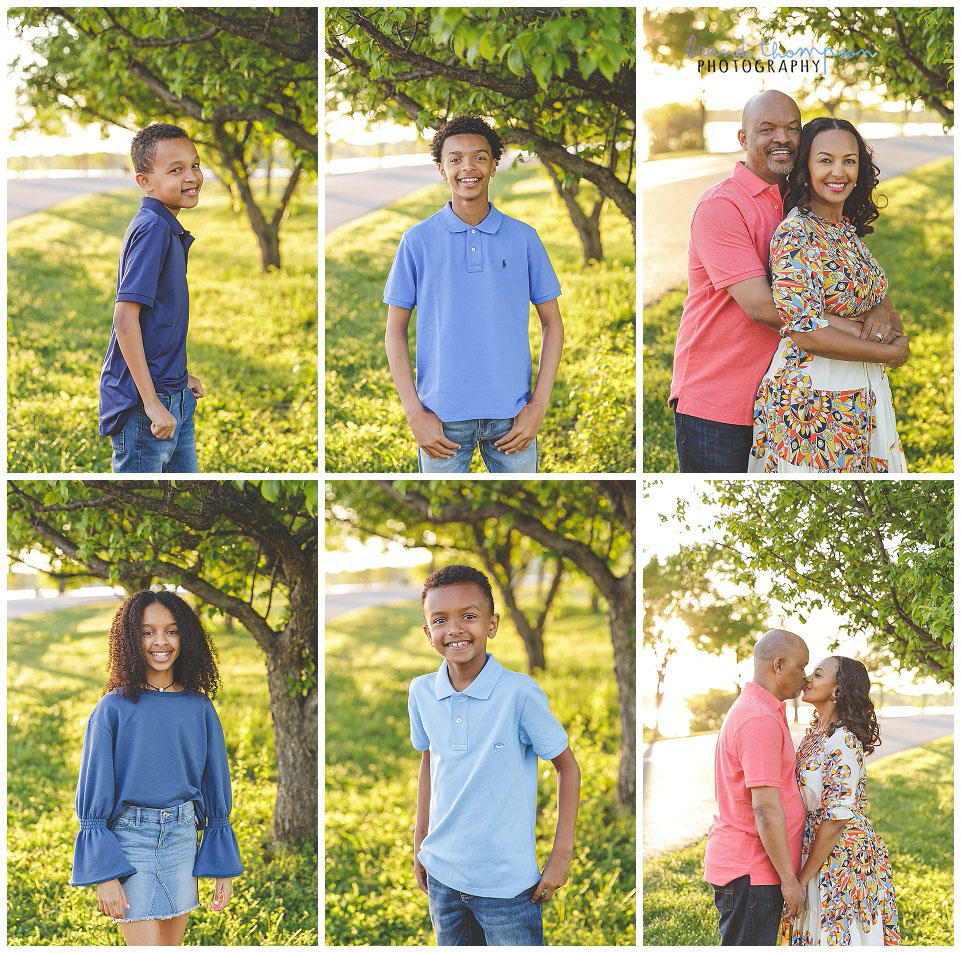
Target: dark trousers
[748,915]
[708,446]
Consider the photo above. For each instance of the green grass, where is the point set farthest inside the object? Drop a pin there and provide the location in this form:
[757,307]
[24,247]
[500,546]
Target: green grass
[55,674]
[914,244]
[590,424]
[252,339]
[371,777]
[910,805]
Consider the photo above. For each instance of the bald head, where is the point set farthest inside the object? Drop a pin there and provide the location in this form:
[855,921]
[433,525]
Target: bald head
[780,658]
[771,101]
[770,134]
[777,643]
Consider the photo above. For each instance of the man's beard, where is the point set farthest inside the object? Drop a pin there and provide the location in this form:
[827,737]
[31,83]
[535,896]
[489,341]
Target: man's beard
[780,166]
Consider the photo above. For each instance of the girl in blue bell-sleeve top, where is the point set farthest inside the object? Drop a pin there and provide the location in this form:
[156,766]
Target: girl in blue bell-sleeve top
[153,772]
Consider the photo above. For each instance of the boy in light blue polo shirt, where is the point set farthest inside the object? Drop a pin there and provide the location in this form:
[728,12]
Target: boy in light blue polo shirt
[481,729]
[472,273]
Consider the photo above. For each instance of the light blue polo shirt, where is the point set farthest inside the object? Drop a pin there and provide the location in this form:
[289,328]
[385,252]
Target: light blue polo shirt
[484,744]
[473,286]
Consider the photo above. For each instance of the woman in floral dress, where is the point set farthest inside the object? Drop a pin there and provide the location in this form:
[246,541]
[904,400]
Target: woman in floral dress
[824,405]
[845,868]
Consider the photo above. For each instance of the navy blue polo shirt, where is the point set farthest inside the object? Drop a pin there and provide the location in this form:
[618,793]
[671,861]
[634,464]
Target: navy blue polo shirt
[153,273]
[473,286]
[484,744]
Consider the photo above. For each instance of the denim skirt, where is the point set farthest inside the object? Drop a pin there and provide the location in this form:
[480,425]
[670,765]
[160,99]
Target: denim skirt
[161,844]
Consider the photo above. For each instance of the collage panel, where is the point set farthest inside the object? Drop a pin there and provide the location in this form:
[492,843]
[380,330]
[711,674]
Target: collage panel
[798,712]
[480,215]
[162,700]
[798,240]
[480,700]
[162,229]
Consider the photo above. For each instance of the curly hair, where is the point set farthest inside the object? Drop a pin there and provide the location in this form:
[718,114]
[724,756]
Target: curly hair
[466,125]
[855,710]
[143,149]
[859,207]
[195,666]
[455,575]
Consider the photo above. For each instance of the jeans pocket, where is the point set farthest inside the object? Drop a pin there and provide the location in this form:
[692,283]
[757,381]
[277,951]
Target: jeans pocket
[188,404]
[122,823]
[724,900]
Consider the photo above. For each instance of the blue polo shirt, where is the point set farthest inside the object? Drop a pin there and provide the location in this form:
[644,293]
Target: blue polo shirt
[473,286]
[484,744]
[153,273]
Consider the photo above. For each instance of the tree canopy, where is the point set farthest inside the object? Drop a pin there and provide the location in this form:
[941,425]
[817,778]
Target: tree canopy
[245,548]
[242,82]
[556,82]
[878,553]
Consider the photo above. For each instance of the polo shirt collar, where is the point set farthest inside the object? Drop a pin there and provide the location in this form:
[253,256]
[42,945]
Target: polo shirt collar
[454,224]
[763,696]
[158,208]
[481,687]
[754,184]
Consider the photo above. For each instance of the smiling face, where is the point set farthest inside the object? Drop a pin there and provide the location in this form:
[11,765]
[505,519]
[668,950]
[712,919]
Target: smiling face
[820,685]
[459,622]
[176,178]
[770,134]
[161,643]
[833,166]
[467,166]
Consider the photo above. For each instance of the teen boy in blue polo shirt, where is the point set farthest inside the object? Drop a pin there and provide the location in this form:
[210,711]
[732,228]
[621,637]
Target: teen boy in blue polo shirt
[472,272]
[147,398]
[481,729]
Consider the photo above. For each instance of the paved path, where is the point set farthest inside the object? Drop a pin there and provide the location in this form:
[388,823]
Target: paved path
[349,196]
[17,608]
[346,599]
[671,188]
[26,196]
[678,779]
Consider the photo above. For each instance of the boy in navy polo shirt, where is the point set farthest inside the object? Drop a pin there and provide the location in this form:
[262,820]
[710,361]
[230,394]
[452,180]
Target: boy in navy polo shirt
[472,272]
[147,398]
[481,729]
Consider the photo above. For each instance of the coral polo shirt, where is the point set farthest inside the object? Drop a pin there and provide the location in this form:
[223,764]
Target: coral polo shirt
[754,749]
[721,354]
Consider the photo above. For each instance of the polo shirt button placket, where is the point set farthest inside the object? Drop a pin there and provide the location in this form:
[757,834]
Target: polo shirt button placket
[474,253]
[458,722]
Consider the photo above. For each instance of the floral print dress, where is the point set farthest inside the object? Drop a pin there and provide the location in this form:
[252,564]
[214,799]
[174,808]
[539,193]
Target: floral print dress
[816,414]
[850,902]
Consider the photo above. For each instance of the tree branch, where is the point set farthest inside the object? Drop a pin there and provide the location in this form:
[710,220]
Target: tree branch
[291,20]
[160,41]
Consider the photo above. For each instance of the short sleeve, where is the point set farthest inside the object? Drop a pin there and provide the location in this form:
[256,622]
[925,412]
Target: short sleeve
[141,262]
[538,726]
[418,736]
[97,856]
[401,288]
[796,280]
[542,281]
[843,767]
[219,853]
[724,245]
[758,746]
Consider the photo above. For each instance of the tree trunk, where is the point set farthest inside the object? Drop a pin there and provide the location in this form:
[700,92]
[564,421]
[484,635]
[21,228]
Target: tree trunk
[587,226]
[293,707]
[621,614]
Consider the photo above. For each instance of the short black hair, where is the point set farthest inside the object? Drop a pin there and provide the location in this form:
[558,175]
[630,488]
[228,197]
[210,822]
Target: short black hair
[457,575]
[470,126]
[143,149]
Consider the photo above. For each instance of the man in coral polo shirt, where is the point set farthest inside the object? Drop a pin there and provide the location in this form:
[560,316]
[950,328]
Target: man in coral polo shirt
[754,844]
[730,327]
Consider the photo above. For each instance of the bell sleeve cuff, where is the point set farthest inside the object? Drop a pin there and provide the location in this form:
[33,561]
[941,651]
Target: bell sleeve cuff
[219,854]
[97,856]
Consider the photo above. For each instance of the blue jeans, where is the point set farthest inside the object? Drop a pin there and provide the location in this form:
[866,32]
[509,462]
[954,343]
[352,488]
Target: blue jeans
[748,915]
[708,446]
[480,433]
[461,919]
[137,450]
